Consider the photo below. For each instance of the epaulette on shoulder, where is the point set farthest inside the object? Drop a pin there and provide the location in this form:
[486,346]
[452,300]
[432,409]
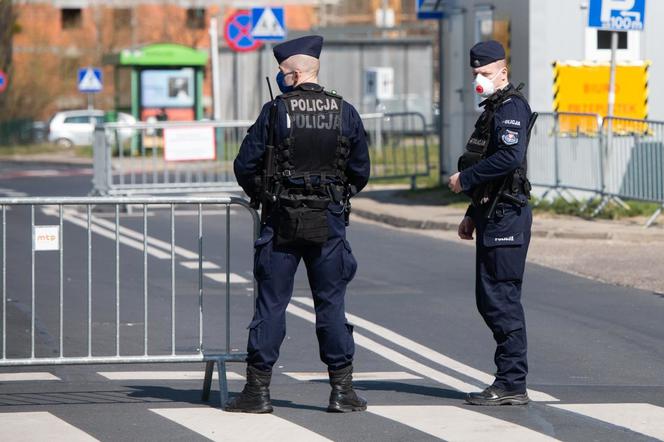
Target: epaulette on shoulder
[290,94]
[333,94]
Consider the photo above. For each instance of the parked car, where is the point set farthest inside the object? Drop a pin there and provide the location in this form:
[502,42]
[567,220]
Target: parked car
[76,127]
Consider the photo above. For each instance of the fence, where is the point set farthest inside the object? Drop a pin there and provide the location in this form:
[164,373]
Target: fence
[166,157]
[147,263]
[145,158]
[613,158]
[398,146]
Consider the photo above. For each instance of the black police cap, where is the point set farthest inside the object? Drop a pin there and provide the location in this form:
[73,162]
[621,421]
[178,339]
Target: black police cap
[486,52]
[310,45]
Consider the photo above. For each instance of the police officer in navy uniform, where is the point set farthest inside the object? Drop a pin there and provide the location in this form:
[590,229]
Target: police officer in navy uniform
[321,160]
[493,173]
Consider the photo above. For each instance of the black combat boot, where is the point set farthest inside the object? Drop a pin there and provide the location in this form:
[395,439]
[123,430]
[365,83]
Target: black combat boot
[343,398]
[255,398]
[497,396]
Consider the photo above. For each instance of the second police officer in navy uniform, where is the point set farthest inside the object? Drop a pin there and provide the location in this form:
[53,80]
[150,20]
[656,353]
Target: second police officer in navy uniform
[305,156]
[493,173]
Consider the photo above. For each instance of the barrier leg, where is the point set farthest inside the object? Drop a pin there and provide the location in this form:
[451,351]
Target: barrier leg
[602,205]
[654,217]
[207,383]
[223,383]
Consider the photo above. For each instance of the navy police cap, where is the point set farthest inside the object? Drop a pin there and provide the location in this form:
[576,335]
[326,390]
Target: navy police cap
[486,52]
[310,45]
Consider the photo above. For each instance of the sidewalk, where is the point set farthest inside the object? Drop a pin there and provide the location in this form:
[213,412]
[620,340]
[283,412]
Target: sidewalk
[619,252]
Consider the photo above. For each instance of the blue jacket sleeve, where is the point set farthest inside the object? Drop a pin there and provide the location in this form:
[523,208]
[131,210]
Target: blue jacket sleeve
[248,163]
[510,123]
[358,168]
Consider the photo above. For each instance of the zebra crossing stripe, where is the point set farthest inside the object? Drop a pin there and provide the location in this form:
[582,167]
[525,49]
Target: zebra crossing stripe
[218,425]
[29,376]
[369,376]
[39,425]
[457,424]
[163,375]
[641,418]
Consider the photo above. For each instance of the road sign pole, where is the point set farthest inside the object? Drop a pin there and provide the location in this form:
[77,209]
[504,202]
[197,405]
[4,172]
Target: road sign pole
[612,77]
[441,157]
[214,49]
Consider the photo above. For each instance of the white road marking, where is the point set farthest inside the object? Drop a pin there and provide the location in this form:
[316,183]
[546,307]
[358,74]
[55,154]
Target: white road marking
[641,418]
[39,425]
[108,233]
[457,424]
[394,356]
[228,427]
[164,375]
[368,376]
[426,352]
[221,277]
[193,265]
[28,376]
[166,246]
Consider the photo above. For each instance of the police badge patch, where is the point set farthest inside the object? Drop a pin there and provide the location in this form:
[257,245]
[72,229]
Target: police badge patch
[510,137]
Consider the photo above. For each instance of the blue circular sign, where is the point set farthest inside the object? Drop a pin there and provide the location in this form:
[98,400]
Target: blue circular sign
[237,32]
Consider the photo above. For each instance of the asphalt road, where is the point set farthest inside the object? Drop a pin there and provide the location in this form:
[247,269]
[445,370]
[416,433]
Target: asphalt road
[596,351]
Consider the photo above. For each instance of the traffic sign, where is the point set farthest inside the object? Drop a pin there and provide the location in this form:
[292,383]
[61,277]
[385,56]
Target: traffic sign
[617,15]
[4,81]
[237,32]
[90,80]
[268,24]
[434,9]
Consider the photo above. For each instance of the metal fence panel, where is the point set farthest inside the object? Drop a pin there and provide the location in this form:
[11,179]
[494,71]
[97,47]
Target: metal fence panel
[89,331]
[635,159]
[398,145]
[130,159]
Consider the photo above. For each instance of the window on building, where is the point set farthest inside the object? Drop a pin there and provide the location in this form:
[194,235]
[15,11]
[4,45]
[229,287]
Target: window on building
[604,40]
[122,18]
[196,18]
[71,18]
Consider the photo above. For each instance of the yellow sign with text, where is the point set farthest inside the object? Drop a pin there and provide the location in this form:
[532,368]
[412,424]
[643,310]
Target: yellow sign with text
[584,88]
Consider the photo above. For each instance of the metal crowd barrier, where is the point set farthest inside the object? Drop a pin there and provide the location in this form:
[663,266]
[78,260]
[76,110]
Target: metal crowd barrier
[398,146]
[72,341]
[635,160]
[131,159]
[613,158]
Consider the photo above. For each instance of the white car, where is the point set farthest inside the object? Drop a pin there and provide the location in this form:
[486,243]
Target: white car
[76,127]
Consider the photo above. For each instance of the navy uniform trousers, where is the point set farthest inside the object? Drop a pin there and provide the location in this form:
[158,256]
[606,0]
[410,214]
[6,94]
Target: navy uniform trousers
[502,246]
[329,269]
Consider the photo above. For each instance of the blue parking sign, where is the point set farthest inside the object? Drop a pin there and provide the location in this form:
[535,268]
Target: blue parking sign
[617,15]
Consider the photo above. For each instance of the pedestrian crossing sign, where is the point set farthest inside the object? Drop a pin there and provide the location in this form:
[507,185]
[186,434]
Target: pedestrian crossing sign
[268,24]
[90,80]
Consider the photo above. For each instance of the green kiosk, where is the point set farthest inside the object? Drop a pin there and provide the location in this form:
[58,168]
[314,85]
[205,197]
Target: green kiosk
[162,80]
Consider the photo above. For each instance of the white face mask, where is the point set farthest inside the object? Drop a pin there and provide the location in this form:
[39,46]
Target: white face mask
[484,86]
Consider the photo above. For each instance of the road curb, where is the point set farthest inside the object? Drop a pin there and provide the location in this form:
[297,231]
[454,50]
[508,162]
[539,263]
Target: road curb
[407,223]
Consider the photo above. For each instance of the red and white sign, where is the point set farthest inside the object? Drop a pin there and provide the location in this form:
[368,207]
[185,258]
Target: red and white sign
[46,238]
[237,32]
[189,144]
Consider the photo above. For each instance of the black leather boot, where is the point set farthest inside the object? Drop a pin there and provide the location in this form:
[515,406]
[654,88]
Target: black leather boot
[495,396]
[343,398]
[255,397]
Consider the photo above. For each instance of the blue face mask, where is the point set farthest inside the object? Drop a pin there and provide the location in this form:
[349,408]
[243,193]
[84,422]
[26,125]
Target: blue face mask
[281,82]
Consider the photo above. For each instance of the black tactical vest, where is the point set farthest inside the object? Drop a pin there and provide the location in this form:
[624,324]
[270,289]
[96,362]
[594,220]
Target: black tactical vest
[315,145]
[479,147]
